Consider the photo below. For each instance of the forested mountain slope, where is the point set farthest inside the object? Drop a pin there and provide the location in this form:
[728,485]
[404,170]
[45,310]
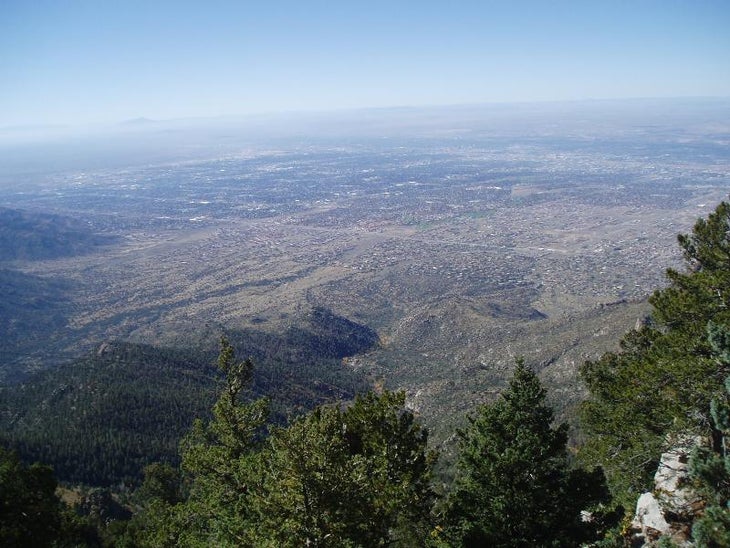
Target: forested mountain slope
[100,419]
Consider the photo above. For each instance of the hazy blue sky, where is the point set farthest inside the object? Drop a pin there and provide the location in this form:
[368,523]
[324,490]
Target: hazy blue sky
[107,60]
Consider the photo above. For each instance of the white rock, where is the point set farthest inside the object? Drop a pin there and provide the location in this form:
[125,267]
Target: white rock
[649,515]
[671,479]
[671,498]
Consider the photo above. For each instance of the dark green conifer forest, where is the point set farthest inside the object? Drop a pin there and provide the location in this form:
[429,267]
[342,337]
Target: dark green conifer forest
[360,471]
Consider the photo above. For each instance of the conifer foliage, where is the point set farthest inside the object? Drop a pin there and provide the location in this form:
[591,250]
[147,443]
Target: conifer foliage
[666,374]
[29,509]
[353,477]
[220,469]
[358,476]
[30,512]
[710,466]
[515,485]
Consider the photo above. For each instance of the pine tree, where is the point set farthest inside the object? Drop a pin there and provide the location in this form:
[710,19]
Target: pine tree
[665,375]
[358,477]
[30,512]
[380,430]
[514,484]
[710,466]
[220,472]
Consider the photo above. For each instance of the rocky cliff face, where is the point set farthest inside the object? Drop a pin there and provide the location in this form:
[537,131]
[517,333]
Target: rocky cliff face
[668,511]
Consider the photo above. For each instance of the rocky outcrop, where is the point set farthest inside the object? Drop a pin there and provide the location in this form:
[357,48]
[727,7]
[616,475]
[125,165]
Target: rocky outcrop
[669,510]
